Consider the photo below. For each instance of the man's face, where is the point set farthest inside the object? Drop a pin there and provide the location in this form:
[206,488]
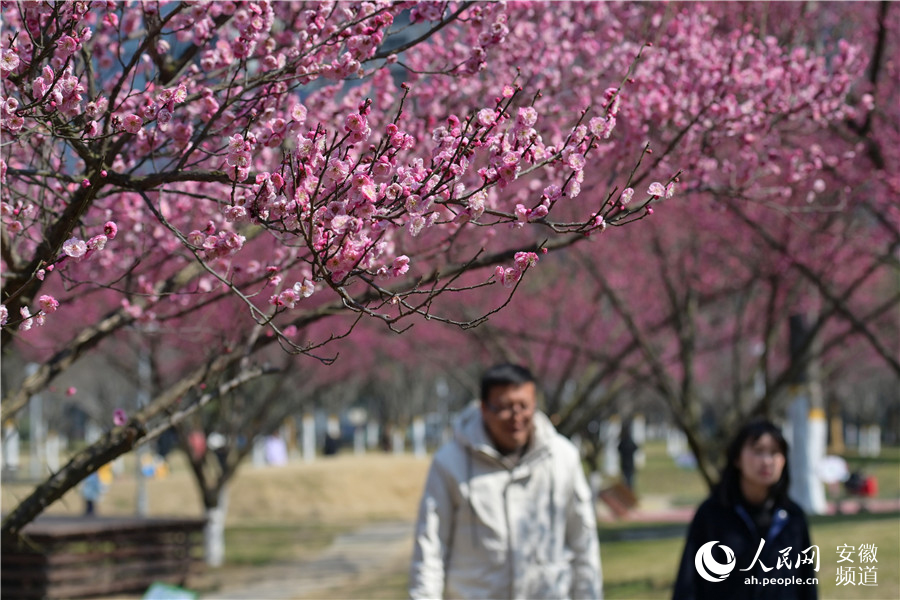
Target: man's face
[508,414]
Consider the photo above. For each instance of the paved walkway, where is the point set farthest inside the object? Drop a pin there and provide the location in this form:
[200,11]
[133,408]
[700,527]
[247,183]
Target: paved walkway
[351,557]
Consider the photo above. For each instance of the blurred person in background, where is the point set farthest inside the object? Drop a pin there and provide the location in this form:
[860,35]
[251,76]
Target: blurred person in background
[506,511]
[748,530]
[627,449]
[94,486]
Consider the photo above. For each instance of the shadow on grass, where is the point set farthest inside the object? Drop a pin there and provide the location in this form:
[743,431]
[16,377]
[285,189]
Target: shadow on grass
[641,531]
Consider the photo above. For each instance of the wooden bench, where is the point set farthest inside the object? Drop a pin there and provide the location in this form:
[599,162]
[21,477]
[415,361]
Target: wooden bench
[75,557]
[619,498]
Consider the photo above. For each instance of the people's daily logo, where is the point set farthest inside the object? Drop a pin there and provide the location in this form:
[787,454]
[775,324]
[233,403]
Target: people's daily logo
[707,561]
[708,567]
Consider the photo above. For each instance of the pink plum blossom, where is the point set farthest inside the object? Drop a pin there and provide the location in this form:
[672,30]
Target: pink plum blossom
[195,238]
[522,213]
[576,161]
[9,61]
[507,276]
[236,143]
[400,266]
[486,117]
[416,224]
[75,247]
[526,117]
[602,127]
[356,122]
[298,113]
[305,289]
[132,123]
[337,170]
[656,189]
[98,242]
[552,192]
[27,321]
[67,45]
[538,212]
[48,303]
[287,298]
[524,260]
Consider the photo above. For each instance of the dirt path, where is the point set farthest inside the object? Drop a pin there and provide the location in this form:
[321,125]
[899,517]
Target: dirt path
[352,560]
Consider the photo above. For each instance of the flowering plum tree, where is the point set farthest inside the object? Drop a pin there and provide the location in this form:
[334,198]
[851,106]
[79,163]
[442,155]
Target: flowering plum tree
[787,206]
[228,174]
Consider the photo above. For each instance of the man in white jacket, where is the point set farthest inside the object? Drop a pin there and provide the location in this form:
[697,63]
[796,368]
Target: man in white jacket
[507,511]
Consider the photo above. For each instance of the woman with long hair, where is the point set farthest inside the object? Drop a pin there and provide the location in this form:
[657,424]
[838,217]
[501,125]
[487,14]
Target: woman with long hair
[748,539]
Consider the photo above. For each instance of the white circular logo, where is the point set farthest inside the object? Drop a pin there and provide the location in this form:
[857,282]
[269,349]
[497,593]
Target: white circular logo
[708,567]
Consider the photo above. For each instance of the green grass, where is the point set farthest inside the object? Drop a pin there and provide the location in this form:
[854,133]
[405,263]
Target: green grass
[640,568]
[881,530]
[660,476]
[257,545]
[645,569]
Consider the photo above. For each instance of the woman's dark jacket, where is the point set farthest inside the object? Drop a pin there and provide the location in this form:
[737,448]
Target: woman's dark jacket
[731,525]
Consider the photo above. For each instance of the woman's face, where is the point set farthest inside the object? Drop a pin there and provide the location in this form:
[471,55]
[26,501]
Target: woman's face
[761,462]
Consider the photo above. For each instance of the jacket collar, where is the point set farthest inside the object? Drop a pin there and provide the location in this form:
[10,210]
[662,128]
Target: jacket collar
[779,520]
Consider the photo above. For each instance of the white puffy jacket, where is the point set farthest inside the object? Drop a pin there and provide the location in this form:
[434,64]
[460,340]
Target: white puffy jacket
[490,527]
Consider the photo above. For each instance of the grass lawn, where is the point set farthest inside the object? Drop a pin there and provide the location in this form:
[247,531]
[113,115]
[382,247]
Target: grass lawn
[645,569]
[262,544]
[640,568]
[885,468]
[882,530]
[685,487]
[660,476]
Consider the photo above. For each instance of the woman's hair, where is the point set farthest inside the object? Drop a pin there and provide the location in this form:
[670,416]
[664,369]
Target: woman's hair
[729,484]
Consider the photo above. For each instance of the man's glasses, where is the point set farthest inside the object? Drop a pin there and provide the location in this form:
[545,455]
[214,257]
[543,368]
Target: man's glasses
[505,412]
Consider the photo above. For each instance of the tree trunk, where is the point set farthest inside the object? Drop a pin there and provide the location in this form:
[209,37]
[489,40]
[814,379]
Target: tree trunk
[707,469]
[214,532]
[807,430]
